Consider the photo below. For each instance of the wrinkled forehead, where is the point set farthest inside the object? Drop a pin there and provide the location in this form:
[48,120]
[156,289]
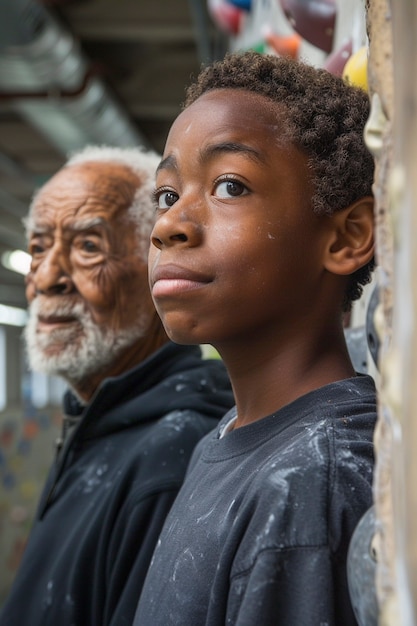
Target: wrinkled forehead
[84,193]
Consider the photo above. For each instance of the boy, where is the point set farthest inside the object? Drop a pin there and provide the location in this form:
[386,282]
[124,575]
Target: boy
[263,237]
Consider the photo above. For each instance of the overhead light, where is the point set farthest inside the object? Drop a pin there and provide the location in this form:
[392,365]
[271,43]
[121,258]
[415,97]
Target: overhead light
[16,261]
[12,315]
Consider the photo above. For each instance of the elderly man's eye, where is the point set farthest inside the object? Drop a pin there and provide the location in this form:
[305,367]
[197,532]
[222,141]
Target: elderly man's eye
[35,249]
[37,246]
[90,246]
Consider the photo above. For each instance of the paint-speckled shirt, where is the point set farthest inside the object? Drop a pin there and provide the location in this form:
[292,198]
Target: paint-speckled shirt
[258,535]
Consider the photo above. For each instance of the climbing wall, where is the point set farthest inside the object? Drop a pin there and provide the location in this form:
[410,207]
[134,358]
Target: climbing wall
[392,54]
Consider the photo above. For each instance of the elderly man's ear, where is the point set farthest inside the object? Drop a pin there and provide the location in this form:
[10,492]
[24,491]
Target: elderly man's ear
[351,240]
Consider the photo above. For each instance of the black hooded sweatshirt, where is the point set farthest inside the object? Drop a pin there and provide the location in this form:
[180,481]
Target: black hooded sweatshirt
[113,483]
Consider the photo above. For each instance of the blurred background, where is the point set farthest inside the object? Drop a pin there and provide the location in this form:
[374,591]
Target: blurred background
[77,72]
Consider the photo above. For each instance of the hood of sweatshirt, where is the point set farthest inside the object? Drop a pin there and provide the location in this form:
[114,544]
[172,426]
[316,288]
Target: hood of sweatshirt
[173,378]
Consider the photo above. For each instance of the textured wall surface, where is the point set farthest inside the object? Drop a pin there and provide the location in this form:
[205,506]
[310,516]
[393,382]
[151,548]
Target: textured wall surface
[392,137]
[27,440]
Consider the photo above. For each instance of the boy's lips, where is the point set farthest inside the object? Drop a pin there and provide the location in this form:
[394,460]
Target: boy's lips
[173,279]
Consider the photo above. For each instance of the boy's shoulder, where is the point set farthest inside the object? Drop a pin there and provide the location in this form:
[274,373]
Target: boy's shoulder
[312,489]
[336,413]
[328,429]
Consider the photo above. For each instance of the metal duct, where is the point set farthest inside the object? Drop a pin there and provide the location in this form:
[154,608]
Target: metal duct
[46,78]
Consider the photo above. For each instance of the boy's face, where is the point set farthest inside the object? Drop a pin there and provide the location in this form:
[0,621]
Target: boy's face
[236,249]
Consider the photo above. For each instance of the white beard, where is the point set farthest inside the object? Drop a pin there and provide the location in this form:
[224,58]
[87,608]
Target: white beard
[80,350]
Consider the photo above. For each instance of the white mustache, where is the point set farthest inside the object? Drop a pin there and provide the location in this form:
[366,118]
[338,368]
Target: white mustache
[85,347]
[42,307]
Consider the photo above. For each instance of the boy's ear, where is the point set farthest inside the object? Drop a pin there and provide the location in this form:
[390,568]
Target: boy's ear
[351,243]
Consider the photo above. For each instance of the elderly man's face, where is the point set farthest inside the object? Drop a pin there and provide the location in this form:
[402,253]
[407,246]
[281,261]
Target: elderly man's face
[87,286]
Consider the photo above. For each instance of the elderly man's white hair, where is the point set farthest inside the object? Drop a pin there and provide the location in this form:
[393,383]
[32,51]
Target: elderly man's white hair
[143,164]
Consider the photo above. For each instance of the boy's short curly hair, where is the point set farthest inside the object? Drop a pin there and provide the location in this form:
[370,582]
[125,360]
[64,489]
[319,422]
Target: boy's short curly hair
[326,120]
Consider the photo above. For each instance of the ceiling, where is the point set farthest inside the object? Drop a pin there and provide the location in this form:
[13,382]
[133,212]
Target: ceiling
[87,71]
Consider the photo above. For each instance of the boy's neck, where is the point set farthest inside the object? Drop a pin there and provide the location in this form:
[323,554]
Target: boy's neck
[265,378]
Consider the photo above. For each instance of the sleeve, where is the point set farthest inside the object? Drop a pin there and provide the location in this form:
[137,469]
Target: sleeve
[291,586]
[134,539]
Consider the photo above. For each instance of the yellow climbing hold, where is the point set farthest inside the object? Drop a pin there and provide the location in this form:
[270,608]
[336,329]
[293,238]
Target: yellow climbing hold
[355,71]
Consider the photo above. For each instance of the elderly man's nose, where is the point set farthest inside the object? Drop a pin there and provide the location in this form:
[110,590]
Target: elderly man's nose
[50,277]
[62,286]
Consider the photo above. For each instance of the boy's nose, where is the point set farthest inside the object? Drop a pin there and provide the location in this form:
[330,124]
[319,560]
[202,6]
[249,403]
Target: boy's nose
[176,228]
[50,277]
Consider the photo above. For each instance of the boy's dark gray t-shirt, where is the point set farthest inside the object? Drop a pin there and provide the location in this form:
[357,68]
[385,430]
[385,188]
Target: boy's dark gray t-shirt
[260,530]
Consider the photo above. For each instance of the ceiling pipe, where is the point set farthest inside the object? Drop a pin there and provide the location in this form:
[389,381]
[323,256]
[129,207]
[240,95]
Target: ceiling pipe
[45,93]
[47,79]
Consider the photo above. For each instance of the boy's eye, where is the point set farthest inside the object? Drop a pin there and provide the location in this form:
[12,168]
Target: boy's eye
[165,199]
[230,188]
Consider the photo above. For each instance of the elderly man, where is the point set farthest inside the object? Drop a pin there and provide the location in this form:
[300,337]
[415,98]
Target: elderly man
[137,403]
